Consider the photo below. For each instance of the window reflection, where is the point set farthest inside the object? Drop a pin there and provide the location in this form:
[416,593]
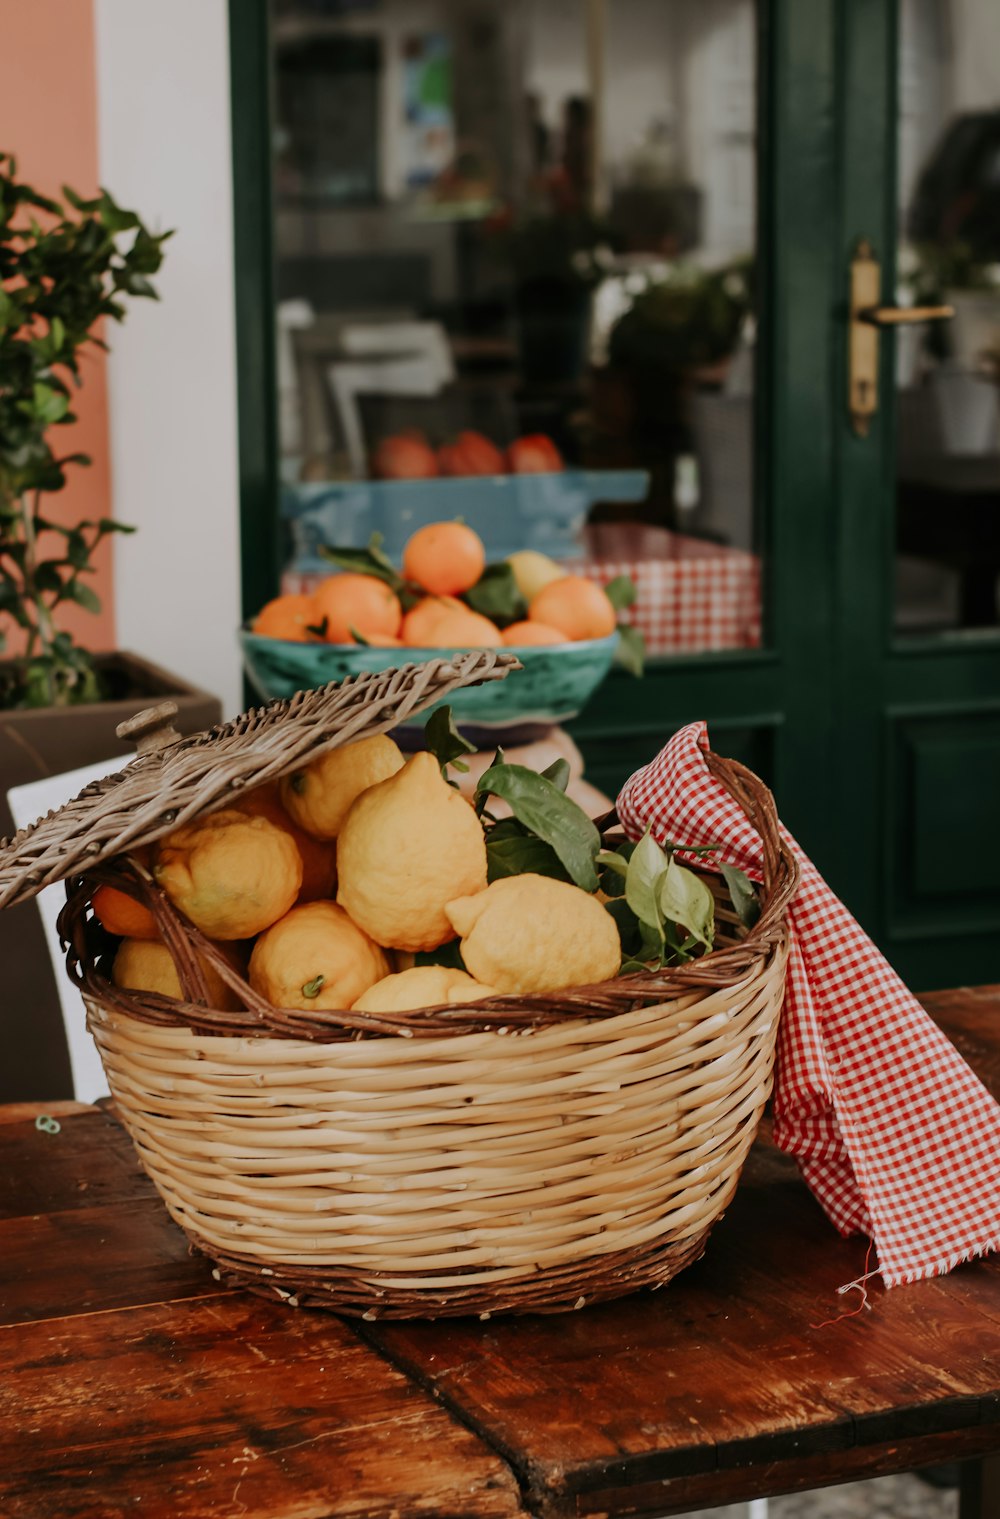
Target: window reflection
[948,375]
[515,238]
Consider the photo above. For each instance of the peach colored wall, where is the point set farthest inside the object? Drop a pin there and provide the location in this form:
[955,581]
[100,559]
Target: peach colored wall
[48,120]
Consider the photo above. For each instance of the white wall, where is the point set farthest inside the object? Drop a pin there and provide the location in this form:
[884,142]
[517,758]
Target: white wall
[164,140]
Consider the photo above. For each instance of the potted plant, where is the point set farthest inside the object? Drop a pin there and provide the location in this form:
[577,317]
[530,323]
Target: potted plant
[65,271]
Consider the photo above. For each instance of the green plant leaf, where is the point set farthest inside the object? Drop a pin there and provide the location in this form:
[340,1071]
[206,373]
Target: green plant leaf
[551,816]
[741,894]
[646,871]
[445,742]
[75,590]
[366,561]
[449,954]
[47,576]
[495,595]
[621,592]
[686,900]
[631,650]
[512,851]
[557,773]
[627,925]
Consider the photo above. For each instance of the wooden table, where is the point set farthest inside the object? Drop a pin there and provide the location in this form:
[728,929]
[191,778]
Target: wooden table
[132,1383]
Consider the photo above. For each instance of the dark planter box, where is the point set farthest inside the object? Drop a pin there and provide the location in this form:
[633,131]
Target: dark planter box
[47,741]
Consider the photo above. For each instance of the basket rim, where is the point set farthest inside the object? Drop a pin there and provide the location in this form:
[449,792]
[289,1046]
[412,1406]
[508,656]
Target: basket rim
[199,774]
[512,1013]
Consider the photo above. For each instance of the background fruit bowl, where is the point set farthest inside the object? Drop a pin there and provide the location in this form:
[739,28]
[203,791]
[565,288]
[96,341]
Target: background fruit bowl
[556,682]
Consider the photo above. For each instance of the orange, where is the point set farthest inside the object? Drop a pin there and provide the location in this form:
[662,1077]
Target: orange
[360,602]
[445,558]
[464,630]
[577,607]
[145,966]
[123,915]
[418,624]
[315,957]
[319,859]
[233,875]
[521,633]
[288,617]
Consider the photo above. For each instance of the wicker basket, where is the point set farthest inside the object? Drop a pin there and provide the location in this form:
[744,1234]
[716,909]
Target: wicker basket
[524,1154]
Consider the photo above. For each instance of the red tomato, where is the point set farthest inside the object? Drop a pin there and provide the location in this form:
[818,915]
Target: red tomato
[470,454]
[404,456]
[534,455]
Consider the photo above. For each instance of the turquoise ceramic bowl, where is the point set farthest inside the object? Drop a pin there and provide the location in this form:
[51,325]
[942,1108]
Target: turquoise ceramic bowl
[556,682]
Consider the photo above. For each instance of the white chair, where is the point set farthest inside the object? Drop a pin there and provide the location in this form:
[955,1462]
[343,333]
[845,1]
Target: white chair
[386,358]
[28,802]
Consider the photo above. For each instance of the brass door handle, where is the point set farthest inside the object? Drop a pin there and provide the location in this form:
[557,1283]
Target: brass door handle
[866,318]
[901,316]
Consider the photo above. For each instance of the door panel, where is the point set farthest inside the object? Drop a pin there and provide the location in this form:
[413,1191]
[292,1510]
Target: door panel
[917,656]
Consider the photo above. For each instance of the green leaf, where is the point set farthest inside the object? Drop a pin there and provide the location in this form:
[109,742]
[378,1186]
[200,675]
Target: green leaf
[620,592]
[109,525]
[612,867]
[742,895]
[512,851]
[75,590]
[114,217]
[449,954]
[77,549]
[646,871]
[445,742]
[627,925]
[631,650]
[558,773]
[495,595]
[551,816]
[686,900]
[367,561]
[47,576]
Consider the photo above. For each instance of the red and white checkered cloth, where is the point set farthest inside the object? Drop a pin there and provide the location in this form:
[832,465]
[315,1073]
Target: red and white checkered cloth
[894,1133]
[705,597]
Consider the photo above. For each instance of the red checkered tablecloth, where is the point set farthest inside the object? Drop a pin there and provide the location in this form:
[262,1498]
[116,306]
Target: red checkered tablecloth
[893,1132]
[702,597]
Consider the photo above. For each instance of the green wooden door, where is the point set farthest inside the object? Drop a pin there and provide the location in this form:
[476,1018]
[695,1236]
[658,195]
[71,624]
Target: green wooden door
[882,743]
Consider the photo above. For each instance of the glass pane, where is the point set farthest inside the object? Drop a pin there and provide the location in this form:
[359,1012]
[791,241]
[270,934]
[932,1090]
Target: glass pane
[514,248]
[948,374]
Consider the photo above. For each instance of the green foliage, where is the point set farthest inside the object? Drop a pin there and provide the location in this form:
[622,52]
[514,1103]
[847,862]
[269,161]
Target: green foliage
[542,809]
[444,741]
[692,316]
[62,271]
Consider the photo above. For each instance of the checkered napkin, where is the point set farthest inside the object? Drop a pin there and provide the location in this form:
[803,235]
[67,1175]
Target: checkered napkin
[893,1132]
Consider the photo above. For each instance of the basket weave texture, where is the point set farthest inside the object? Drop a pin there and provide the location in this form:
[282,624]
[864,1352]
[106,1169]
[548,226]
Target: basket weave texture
[522,1154]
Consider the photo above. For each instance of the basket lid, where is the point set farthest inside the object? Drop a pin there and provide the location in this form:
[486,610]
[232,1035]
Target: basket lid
[175,779]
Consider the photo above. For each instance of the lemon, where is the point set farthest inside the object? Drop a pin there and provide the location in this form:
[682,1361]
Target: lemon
[408,846]
[233,875]
[315,957]
[422,986]
[533,571]
[318,797]
[529,933]
[146,965]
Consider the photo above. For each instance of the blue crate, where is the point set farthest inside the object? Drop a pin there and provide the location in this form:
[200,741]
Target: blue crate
[509,512]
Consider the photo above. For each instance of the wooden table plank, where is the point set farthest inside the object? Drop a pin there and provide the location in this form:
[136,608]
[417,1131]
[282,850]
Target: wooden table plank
[732,1381]
[227,1407]
[130,1381]
[80,1196]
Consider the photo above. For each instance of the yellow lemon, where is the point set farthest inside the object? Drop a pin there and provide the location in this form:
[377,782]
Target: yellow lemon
[533,571]
[146,965]
[422,986]
[315,957]
[318,797]
[319,856]
[530,933]
[231,874]
[408,846]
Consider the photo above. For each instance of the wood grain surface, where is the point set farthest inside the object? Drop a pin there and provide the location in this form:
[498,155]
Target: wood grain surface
[132,1382]
[733,1381]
